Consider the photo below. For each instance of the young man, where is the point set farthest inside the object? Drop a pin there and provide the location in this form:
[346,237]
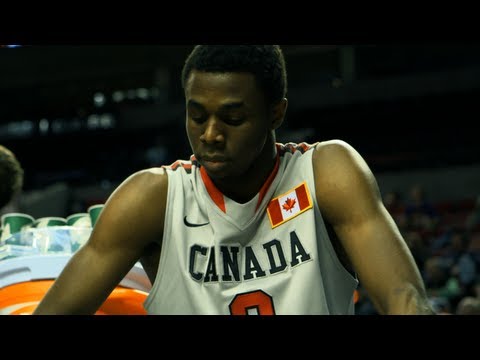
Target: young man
[11,176]
[247,225]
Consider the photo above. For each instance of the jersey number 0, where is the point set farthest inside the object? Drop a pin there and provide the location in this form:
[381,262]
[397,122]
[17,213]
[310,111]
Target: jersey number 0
[252,303]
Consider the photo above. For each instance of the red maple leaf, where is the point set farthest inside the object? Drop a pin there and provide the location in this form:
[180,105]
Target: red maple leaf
[289,204]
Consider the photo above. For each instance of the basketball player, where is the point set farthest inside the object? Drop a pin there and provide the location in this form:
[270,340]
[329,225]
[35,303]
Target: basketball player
[246,225]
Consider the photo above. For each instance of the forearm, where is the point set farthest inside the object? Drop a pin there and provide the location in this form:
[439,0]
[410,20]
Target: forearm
[408,300]
[61,300]
[81,288]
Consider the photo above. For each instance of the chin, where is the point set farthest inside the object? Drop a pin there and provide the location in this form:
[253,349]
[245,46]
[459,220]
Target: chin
[216,173]
[216,168]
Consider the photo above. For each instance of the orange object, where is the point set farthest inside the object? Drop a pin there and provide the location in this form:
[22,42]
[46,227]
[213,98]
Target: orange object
[23,298]
[356,296]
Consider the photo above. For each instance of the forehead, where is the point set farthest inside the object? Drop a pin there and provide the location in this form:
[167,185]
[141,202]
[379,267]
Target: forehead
[203,86]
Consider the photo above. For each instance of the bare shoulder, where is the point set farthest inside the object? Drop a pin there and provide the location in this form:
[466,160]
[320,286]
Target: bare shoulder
[151,182]
[143,188]
[342,177]
[155,174]
[334,159]
[330,151]
[136,208]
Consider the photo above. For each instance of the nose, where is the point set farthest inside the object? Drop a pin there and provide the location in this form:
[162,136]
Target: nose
[212,132]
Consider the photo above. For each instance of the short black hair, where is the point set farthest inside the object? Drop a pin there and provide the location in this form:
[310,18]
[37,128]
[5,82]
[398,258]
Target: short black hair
[11,176]
[265,62]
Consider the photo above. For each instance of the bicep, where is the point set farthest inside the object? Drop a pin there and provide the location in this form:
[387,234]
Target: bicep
[130,225]
[380,257]
[351,202]
[131,219]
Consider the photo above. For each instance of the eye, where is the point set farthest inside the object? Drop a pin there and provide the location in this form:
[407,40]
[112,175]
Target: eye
[234,120]
[197,117]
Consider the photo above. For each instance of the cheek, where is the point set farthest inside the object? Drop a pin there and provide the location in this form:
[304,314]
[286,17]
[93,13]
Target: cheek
[191,131]
[192,134]
[258,139]
[252,145]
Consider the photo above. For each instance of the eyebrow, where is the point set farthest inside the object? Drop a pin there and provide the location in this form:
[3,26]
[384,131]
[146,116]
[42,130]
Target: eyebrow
[225,107]
[233,105]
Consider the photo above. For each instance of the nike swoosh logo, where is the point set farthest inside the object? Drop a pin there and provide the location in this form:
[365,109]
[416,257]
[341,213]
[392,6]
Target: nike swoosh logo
[189,224]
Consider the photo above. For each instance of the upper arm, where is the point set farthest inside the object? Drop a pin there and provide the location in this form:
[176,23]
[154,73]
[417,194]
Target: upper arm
[349,199]
[132,217]
[130,221]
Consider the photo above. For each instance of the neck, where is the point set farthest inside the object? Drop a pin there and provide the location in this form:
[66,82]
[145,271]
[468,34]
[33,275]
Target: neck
[241,190]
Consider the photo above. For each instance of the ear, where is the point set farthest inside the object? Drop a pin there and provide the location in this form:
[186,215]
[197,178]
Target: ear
[278,112]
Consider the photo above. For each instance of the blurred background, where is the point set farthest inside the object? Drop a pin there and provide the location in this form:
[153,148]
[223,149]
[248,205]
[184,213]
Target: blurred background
[82,118]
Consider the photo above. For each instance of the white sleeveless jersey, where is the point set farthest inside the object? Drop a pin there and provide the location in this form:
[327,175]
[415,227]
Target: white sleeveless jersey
[271,255]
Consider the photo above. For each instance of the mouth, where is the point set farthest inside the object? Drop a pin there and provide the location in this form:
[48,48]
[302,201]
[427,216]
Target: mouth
[214,163]
[213,158]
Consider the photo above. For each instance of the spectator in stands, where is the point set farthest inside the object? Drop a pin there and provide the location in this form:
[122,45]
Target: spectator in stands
[459,264]
[418,247]
[441,286]
[393,202]
[459,260]
[441,306]
[420,213]
[473,219]
[469,305]
[476,287]
[395,206]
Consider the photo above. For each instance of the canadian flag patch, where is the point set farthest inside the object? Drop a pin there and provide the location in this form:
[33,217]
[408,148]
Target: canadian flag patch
[289,205]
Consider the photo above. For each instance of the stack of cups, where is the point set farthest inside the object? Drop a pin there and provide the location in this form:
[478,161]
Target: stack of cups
[81,225]
[79,220]
[13,223]
[51,235]
[80,229]
[49,221]
[94,212]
